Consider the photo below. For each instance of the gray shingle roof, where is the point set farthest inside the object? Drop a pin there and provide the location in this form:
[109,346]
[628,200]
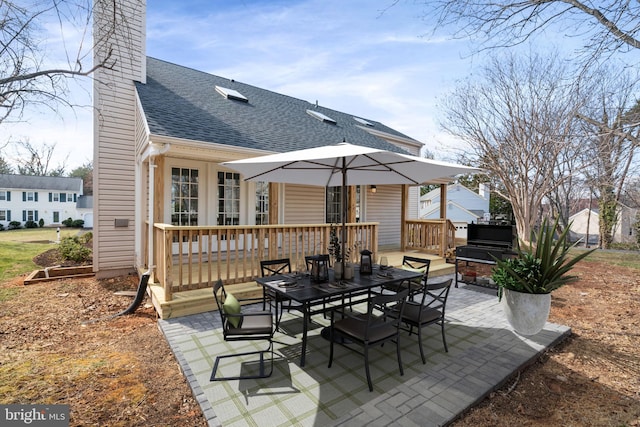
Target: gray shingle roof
[30,182]
[183,103]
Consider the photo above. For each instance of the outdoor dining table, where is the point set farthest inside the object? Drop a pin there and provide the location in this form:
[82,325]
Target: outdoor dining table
[312,297]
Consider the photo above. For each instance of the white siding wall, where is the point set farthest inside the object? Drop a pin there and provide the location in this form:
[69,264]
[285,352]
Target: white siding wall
[624,232]
[385,207]
[413,209]
[413,203]
[411,148]
[304,204]
[114,132]
[141,183]
[581,221]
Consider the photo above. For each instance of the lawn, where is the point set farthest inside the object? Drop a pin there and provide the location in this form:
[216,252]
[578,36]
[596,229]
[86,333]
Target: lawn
[36,235]
[18,247]
[620,258]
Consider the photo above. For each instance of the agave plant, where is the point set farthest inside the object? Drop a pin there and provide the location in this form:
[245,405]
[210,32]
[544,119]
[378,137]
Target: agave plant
[542,267]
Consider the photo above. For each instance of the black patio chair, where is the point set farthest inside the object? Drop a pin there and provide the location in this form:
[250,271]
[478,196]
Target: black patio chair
[415,286]
[274,267]
[239,326]
[430,310]
[371,328]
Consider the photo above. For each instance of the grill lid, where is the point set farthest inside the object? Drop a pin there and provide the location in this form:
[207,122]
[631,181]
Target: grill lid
[491,235]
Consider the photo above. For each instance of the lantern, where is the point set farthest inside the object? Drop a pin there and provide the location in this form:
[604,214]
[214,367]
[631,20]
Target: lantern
[366,264]
[319,268]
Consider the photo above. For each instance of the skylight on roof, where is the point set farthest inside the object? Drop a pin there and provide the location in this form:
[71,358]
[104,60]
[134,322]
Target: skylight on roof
[318,115]
[362,121]
[231,94]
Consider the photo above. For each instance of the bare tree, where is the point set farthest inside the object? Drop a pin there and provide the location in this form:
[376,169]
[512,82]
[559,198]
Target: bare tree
[567,196]
[613,142]
[632,193]
[517,118]
[27,74]
[36,160]
[606,26]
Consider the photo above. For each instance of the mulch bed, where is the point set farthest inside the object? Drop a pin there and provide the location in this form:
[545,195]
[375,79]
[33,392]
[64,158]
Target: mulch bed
[59,344]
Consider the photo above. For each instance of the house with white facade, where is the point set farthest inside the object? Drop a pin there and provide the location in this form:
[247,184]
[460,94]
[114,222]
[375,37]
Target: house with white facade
[52,199]
[464,206]
[586,222]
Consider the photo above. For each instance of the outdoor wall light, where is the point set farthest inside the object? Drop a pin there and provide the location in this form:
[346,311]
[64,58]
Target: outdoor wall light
[373,188]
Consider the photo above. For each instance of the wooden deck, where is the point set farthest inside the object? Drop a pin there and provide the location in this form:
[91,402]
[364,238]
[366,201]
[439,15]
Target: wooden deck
[201,300]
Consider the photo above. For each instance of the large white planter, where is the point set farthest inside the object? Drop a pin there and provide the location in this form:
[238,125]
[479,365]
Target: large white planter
[526,313]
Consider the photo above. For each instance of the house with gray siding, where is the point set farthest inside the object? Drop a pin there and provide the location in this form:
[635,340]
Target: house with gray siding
[164,204]
[182,123]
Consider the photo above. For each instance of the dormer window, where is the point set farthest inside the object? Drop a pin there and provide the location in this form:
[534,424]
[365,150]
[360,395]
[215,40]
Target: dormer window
[318,115]
[231,94]
[362,121]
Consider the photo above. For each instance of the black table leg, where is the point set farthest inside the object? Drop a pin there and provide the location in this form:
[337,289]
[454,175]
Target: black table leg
[305,328]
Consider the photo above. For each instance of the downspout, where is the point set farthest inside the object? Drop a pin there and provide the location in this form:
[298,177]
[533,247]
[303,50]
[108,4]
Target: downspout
[151,153]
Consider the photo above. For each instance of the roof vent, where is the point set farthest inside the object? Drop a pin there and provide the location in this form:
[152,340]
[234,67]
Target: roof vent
[318,115]
[362,121]
[231,94]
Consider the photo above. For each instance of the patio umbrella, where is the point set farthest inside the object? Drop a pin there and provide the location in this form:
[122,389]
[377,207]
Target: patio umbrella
[346,164]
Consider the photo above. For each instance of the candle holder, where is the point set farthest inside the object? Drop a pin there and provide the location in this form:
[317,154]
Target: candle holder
[319,268]
[366,264]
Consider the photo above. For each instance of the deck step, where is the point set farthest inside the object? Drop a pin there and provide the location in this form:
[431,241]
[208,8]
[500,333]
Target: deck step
[441,269]
[196,301]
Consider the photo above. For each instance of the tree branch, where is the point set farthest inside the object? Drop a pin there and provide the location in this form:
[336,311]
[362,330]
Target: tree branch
[608,24]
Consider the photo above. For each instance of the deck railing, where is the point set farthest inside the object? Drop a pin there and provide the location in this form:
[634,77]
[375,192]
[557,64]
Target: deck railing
[187,258]
[434,236]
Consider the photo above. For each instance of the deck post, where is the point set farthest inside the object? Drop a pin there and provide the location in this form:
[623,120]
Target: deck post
[168,262]
[444,234]
[273,203]
[443,201]
[403,216]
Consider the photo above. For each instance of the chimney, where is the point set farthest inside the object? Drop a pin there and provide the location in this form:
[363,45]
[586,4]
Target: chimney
[483,190]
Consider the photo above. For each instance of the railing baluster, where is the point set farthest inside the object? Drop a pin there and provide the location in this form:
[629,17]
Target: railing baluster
[232,253]
[210,279]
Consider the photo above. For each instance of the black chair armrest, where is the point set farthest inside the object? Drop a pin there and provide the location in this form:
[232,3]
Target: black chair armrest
[249,313]
[250,300]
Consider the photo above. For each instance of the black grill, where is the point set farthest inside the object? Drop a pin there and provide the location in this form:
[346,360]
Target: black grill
[485,240]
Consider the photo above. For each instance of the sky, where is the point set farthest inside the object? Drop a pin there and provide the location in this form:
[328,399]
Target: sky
[370,58]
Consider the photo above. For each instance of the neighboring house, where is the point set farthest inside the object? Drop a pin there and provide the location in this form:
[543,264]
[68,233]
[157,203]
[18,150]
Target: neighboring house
[586,221]
[32,198]
[464,206]
[85,210]
[623,231]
